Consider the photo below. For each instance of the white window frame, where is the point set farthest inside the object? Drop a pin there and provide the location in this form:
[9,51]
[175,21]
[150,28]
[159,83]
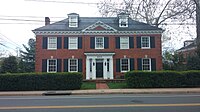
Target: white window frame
[145,47]
[128,65]
[51,65]
[146,64]
[71,65]
[50,43]
[97,47]
[123,19]
[73,21]
[127,43]
[71,44]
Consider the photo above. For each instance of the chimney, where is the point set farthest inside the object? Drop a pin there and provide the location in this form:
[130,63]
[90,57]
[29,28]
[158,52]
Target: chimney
[47,21]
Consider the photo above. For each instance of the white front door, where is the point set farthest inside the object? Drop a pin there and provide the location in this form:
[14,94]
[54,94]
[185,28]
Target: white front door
[99,65]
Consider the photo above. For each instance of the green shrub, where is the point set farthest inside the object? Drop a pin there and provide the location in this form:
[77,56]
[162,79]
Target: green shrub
[159,79]
[42,81]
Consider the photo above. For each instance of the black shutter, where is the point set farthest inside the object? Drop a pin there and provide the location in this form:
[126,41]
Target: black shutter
[79,42]
[152,42]
[153,64]
[131,64]
[65,65]
[117,42]
[106,42]
[44,65]
[59,65]
[139,64]
[44,42]
[92,42]
[138,42]
[66,42]
[118,65]
[59,42]
[131,42]
[80,65]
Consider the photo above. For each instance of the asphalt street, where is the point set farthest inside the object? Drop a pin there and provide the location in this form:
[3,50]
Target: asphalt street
[102,103]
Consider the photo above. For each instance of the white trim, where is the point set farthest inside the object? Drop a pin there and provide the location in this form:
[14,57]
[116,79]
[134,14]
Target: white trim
[149,64]
[69,64]
[96,43]
[48,66]
[99,23]
[97,32]
[149,42]
[99,54]
[121,64]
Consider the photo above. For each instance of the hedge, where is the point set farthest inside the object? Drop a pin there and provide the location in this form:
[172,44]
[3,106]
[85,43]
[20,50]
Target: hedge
[162,79]
[40,81]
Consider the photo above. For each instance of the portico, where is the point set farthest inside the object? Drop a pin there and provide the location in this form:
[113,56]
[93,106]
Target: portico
[99,65]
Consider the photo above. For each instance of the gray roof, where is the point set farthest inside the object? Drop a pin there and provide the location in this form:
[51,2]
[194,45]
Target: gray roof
[84,22]
[188,47]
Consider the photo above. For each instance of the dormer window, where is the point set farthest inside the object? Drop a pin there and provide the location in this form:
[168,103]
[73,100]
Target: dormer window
[73,20]
[123,20]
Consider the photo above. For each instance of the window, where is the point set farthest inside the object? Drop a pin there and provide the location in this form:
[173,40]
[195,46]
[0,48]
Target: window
[52,42]
[99,42]
[108,65]
[52,65]
[73,42]
[73,65]
[145,41]
[123,22]
[146,64]
[124,65]
[90,65]
[73,21]
[124,42]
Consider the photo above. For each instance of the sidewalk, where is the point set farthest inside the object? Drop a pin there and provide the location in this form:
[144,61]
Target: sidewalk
[104,91]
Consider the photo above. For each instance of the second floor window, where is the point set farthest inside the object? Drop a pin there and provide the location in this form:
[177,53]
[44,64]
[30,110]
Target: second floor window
[99,43]
[73,42]
[145,42]
[52,42]
[124,42]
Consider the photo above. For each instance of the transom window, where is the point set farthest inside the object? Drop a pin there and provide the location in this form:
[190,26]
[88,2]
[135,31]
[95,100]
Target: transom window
[99,42]
[73,21]
[73,42]
[145,41]
[52,65]
[123,22]
[52,42]
[146,64]
[73,65]
[124,65]
[124,42]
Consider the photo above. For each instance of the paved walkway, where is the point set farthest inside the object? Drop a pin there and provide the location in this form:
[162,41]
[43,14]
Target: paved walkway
[101,85]
[104,91]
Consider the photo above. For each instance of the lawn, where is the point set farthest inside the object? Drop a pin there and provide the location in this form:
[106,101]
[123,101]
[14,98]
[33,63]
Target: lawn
[117,85]
[88,85]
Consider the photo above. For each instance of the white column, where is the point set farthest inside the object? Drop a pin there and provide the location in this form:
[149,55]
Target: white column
[111,68]
[87,69]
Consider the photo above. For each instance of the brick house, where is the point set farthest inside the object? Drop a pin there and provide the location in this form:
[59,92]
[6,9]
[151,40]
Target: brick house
[99,47]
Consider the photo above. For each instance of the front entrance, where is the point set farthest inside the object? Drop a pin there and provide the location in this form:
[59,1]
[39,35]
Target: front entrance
[99,68]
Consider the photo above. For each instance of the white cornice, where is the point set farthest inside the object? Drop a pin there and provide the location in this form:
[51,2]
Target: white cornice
[99,54]
[96,32]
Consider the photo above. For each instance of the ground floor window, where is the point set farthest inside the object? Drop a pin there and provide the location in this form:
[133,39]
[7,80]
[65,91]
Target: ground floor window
[73,65]
[51,65]
[124,65]
[146,64]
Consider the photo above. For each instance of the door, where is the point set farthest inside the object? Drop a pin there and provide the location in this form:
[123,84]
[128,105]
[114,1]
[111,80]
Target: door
[99,68]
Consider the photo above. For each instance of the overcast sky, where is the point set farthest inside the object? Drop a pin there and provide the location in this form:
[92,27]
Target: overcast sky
[19,17]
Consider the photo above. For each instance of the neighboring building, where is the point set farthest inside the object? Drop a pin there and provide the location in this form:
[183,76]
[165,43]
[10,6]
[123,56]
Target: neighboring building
[189,49]
[99,47]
